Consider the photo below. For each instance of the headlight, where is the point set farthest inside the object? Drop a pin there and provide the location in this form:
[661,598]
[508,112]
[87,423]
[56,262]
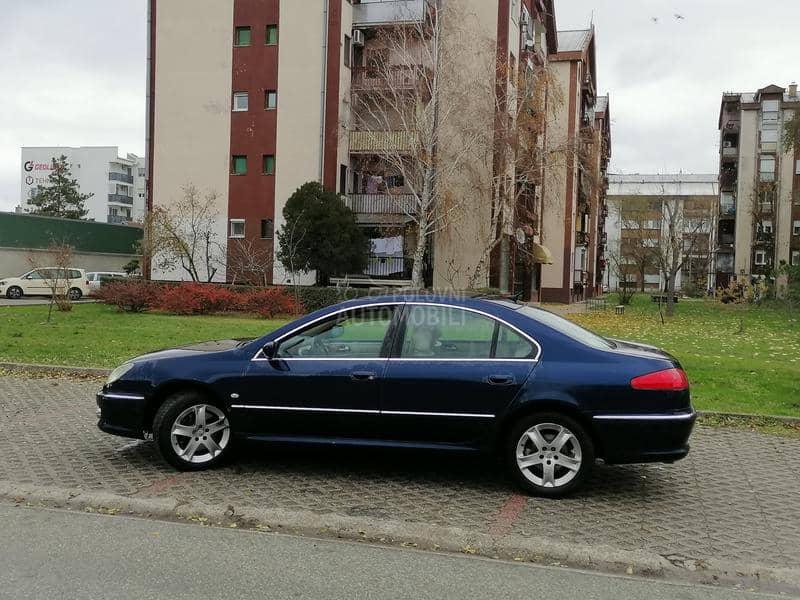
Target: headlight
[119,372]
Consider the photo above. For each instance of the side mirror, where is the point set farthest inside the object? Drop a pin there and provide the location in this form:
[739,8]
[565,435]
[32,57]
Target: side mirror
[269,350]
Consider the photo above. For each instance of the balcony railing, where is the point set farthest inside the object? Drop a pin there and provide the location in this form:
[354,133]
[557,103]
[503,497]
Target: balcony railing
[118,219]
[120,199]
[730,152]
[394,78]
[730,122]
[374,13]
[375,142]
[581,238]
[120,177]
[387,204]
[727,209]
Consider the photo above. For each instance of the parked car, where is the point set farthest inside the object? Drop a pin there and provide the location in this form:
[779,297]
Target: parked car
[41,282]
[460,374]
[97,278]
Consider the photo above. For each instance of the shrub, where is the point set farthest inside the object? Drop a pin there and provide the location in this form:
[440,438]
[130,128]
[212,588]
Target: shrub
[315,298]
[271,302]
[132,295]
[199,299]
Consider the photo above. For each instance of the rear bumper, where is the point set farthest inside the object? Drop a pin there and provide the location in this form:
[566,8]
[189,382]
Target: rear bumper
[640,438]
[121,414]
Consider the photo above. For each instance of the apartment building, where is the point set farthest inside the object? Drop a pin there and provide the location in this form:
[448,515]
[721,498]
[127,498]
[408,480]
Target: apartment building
[117,185]
[266,94]
[637,228]
[579,140]
[759,207]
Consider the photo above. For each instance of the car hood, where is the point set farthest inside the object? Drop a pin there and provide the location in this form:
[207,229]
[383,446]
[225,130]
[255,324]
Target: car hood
[194,349]
[643,350]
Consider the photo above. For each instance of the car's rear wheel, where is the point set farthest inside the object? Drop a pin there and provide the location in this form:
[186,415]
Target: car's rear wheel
[74,294]
[549,454]
[14,293]
[192,433]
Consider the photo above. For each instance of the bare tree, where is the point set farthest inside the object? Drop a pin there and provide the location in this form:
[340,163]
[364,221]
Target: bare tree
[412,108]
[250,261]
[623,270]
[641,224]
[184,235]
[54,266]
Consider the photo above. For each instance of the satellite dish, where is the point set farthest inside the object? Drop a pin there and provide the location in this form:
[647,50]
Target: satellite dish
[520,235]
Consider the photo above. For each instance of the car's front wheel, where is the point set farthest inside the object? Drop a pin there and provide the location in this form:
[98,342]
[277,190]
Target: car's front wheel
[191,432]
[549,454]
[14,293]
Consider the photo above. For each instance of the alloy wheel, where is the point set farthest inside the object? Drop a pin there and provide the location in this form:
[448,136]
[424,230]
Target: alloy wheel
[549,455]
[14,293]
[200,433]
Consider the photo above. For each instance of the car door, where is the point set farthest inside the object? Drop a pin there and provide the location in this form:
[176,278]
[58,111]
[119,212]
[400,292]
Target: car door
[35,283]
[323,380]
[452,370]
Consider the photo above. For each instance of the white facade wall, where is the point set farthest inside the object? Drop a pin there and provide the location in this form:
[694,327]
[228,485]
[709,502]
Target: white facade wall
[90,166]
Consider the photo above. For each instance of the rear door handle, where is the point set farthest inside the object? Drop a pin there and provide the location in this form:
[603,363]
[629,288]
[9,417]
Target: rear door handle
[363,376]
[500,379]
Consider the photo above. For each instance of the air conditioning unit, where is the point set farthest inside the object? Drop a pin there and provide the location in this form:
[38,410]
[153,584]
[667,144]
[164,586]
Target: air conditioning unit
[358,37]
[727,144]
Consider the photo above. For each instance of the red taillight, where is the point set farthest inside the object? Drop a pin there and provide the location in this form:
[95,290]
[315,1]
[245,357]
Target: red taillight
[672,380]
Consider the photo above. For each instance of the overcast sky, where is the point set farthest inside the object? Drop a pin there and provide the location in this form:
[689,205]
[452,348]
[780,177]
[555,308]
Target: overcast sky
[72,72]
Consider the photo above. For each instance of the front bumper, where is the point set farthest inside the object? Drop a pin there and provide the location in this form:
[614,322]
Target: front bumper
[121,414]
[641,438]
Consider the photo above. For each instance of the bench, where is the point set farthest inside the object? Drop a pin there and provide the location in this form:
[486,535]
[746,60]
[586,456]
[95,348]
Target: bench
[662,298]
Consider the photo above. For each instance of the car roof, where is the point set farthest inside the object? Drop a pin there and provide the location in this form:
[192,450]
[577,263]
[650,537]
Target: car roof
[480,302]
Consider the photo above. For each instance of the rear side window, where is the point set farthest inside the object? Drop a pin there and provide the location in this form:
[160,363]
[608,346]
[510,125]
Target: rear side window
[510,344]
[73,274]
[567,328]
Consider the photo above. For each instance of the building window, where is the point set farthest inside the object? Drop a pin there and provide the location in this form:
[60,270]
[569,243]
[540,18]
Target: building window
[343,179]
[240,101]
[268,164]
[239,164]
[769,111]
[270,99]
[272,35]
[795,260]
[796,228]
[267,230]
[237,228]
[797,167]
[348,49]
[241,36]
[761,258]
[769,134]
[767,168]
[766,226]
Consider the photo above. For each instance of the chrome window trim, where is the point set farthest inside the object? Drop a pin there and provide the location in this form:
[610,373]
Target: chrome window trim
[260,358]
[121,396]
[653,417]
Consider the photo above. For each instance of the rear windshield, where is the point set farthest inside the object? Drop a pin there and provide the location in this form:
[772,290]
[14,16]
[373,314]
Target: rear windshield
[565,327]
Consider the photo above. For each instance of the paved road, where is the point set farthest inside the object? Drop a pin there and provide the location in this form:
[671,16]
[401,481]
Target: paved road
[57,554]
[35,301]
[735,498]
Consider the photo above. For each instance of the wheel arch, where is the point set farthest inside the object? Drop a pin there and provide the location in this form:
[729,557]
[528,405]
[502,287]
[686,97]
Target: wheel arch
[172,387]
[532,407]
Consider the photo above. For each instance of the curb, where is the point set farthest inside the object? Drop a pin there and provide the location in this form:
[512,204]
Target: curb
[58,370]
[795,421]
[420,536]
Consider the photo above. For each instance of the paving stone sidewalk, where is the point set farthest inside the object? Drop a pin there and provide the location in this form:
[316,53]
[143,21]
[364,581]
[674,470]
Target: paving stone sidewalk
[736,497]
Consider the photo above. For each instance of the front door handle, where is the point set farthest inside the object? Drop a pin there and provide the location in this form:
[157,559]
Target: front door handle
[363,376]
[500,379]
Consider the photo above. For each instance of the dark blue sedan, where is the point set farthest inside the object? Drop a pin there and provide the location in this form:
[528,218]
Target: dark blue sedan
[458,374]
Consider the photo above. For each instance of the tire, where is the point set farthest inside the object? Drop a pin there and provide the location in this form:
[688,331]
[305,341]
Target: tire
[14,292]
[180,440]
[556,467]
[74,294]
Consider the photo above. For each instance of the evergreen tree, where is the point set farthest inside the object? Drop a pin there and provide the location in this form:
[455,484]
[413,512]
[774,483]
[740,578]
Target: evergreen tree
[321,234]
[61,196]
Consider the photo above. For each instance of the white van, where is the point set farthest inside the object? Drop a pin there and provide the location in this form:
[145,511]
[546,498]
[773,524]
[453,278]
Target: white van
[96,278]
[40,282]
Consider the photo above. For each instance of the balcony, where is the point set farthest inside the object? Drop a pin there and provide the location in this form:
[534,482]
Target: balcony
[730,152]
[581,238]
[120,199]
[764,237]
[726,239]
[377,142]
[727,209]
[727,180]
[118,219]
[120,177]
[395,78]
[375,13]
[730,121]
[380,204]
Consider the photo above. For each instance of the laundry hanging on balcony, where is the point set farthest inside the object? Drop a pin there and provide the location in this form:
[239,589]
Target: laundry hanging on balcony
[386,257]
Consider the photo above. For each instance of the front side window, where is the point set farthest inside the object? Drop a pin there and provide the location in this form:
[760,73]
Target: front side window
[34,275]
[357,334]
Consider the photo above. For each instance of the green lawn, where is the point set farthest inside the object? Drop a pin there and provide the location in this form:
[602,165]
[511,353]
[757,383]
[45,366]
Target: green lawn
[738,358]
[95,335]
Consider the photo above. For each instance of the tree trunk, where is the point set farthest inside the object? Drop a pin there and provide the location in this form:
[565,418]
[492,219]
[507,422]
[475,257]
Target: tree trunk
[671,295]
[417,279]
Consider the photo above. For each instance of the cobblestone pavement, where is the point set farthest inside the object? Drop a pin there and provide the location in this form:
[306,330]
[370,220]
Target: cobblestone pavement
[736,497]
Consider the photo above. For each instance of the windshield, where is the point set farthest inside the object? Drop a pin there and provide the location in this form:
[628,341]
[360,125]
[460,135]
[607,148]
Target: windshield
[568,328]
